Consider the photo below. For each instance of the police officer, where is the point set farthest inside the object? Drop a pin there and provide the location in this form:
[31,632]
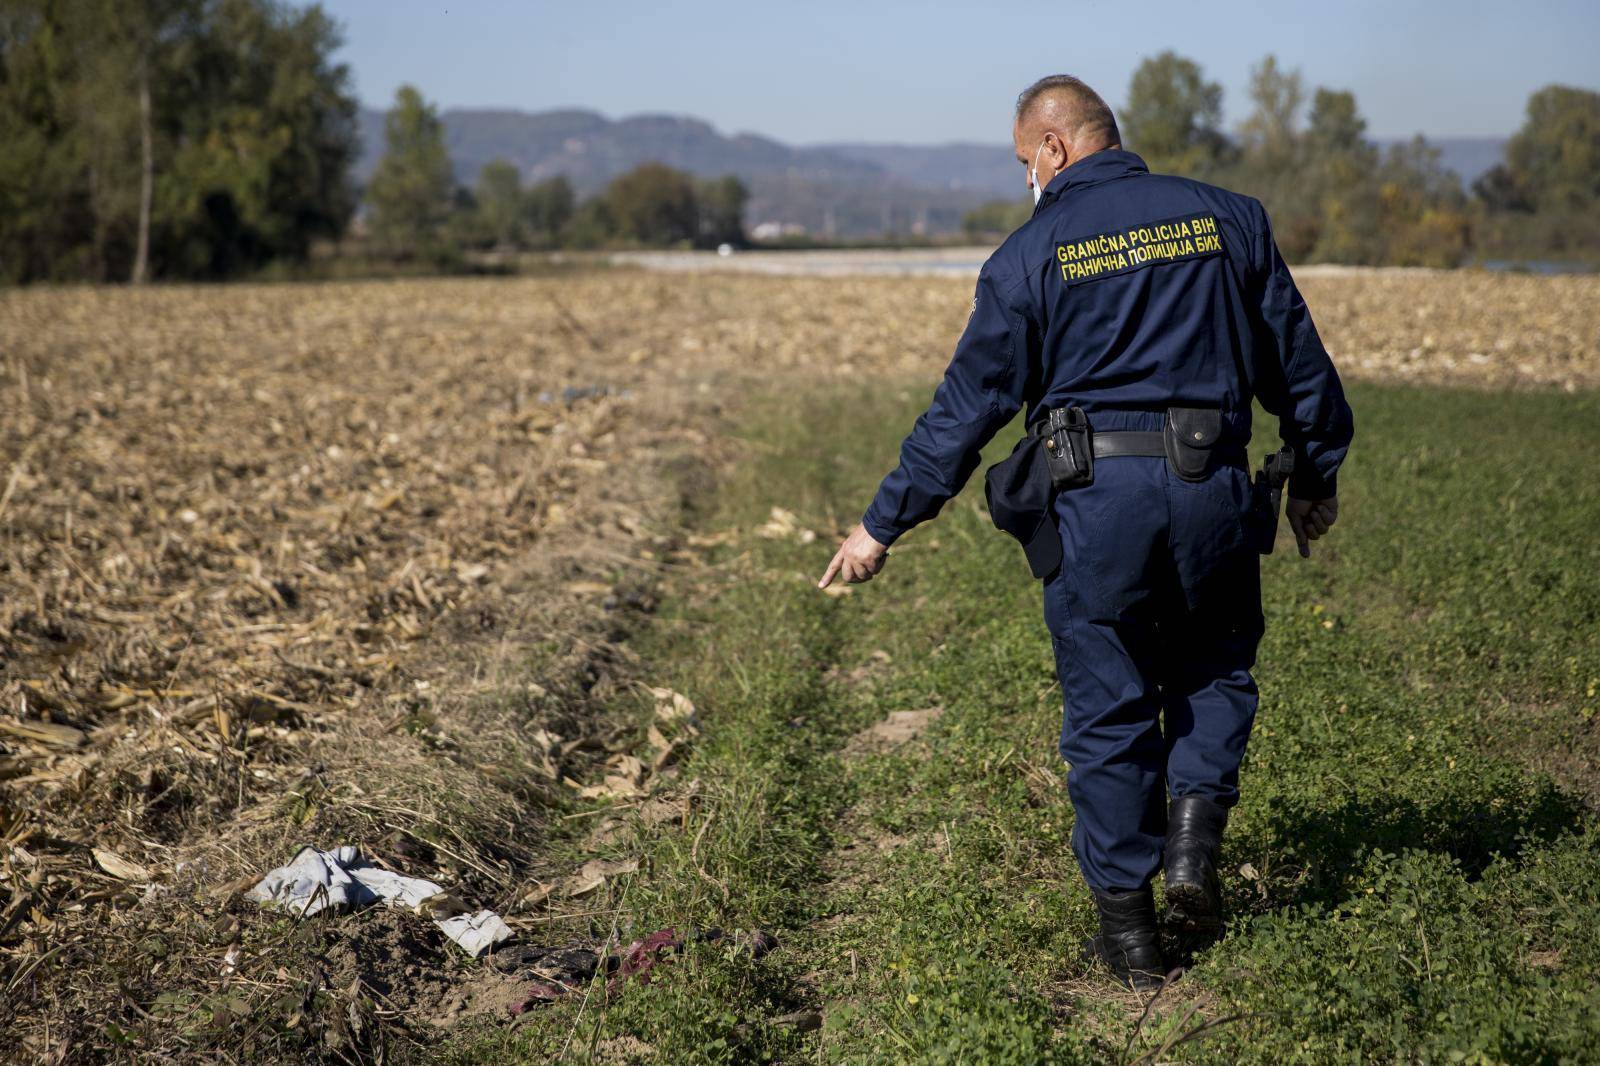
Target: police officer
[1136,316]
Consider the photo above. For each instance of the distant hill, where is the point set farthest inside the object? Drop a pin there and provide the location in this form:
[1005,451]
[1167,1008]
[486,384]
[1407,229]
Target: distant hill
[825,192]
[592,149]
[831,190]
[988,169]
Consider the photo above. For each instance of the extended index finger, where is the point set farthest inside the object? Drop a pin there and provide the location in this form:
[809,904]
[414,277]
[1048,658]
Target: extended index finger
[1300,536]
[833,568]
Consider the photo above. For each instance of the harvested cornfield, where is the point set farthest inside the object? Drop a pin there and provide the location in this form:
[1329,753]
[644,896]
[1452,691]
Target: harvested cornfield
[357,563]
[233,515]
[306,563]
[1466,327]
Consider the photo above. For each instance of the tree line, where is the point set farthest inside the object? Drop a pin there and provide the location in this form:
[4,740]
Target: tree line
[416,210]
[181,138]
[1336,197]
[212,138]
[208,139]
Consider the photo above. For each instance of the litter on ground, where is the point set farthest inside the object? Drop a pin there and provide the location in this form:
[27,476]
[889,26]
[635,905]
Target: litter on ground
[341,880]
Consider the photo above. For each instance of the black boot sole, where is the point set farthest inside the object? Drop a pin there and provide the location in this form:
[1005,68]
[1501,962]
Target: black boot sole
[1192,910]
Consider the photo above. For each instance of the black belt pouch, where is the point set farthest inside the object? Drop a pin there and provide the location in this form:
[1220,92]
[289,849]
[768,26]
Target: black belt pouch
[1069,448]
[1192,435]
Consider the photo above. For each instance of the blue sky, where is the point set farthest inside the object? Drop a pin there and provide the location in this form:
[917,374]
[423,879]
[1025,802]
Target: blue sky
[942,71]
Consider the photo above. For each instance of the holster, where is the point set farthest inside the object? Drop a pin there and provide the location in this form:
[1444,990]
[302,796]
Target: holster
[1266,497]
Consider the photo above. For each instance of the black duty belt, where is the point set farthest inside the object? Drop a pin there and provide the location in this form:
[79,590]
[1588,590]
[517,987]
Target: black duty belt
[1058,452]
[1129,442]
[1152,443]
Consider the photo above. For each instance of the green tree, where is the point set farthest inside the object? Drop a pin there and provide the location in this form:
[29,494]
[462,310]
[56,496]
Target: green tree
[1501,189]
[262,140]
[549,207]
[35,172]
[1421,208]
[1340,169]
[499,201]
[111,104]
[1173,116]
[654,204]
[593,224]
[1271,129]
[168,137]
[722,202]
[75,92]
[1336,126]
[1272,161]
[411,193]
[1556,153]
[1544,199]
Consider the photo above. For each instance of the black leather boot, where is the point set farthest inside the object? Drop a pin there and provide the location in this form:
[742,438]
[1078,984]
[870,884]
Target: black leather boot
[1129,941]
[1194,892]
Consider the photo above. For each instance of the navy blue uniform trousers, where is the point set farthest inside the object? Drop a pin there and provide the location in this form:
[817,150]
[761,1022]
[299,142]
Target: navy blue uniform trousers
[1154,618]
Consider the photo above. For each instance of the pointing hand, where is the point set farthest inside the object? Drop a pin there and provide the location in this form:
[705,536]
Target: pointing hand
[857,559]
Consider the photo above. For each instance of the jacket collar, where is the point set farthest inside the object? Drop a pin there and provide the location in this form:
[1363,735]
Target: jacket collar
[1107,164]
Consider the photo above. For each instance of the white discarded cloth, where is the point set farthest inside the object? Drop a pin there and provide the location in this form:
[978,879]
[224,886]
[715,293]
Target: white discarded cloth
[396,890]
[314,881]
[476,933]
[341,880]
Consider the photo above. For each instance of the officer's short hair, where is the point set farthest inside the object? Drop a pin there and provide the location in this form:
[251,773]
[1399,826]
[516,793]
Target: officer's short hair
[1087,114]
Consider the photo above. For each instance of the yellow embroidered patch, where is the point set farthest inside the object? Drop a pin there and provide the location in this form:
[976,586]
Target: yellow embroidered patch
[1167,241]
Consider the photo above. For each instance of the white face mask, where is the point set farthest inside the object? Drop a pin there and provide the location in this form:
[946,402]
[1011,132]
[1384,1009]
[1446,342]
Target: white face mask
[1033,172]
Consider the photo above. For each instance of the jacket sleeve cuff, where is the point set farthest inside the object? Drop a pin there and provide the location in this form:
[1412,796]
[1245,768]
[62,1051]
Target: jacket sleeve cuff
[885,535]
[1306,483]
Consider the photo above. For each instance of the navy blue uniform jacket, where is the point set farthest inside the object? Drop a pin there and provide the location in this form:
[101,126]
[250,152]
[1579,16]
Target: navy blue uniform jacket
[1126,291]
